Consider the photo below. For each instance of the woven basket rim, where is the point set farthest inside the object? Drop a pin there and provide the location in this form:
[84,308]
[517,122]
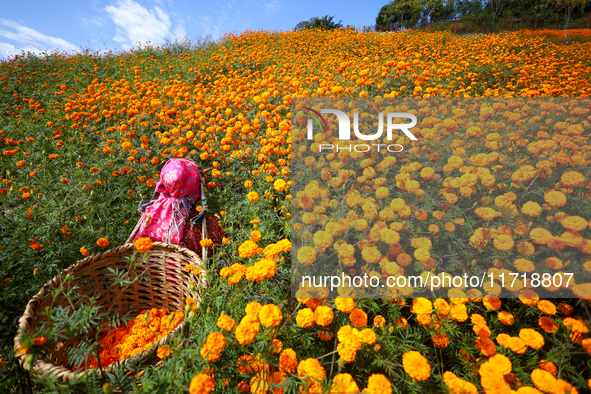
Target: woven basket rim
[42,366]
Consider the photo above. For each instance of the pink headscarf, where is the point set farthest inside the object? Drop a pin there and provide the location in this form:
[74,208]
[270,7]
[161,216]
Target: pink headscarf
[178,189]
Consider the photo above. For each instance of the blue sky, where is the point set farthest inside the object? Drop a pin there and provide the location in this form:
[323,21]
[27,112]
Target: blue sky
[101,25]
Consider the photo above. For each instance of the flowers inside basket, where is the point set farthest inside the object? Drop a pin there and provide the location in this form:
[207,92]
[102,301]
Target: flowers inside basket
[96,301]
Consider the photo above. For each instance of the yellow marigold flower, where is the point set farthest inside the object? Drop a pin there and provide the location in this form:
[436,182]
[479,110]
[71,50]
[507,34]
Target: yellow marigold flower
[503,242]
[540,235]
[322,239]
[345,305]
[555,198]
[532,338]
[288,361]
[416,365]
[487,213]
[280,185]
[574,223]
[422,254]
[382,192]
[421,306]
[572,179]
[371,254]
[343,383]
[323,315]
[270,316]
[189,267]
[378,384]
[358,317]
[306,255]
[531,208]
[525,248]
[252,196]
[305,318]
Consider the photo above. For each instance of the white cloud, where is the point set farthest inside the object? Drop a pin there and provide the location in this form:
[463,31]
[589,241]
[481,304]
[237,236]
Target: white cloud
[97,20]
[137,24]
[35,41]
[272,6]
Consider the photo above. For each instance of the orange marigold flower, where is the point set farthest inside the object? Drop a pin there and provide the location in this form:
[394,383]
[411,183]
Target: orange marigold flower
[84,251]
[288,361]
[270,315]
[547,307]
[252,196]
[506,318]
[457,385]
[38,341]
[212,348]
[548,325]
[202,384]
[305,318]
[378,384]
[532,338]
[226,323]
[205,243]
[315,374]
[248,249]
[102,242]
[416,365]
[548,366]
[323,315]
[345,305]
[421,306]
[343,383]
[247,330]
[358,317]
[379,321]
[142,245]
[164,352]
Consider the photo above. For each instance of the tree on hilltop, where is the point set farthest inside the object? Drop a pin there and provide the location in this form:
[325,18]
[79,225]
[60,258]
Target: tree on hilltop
[323,23]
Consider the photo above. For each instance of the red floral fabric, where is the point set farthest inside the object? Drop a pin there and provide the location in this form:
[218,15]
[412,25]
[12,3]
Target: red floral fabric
[192,234]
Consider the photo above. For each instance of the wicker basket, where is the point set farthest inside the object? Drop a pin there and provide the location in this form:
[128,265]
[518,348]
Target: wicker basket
[168,287]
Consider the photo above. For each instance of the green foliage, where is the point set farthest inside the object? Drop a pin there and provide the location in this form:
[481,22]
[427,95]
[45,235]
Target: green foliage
[322,23]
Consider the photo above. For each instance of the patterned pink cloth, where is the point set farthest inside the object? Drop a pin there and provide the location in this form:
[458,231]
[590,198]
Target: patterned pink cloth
[178,189]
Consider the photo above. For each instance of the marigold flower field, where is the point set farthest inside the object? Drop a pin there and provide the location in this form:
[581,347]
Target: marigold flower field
[84,137]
